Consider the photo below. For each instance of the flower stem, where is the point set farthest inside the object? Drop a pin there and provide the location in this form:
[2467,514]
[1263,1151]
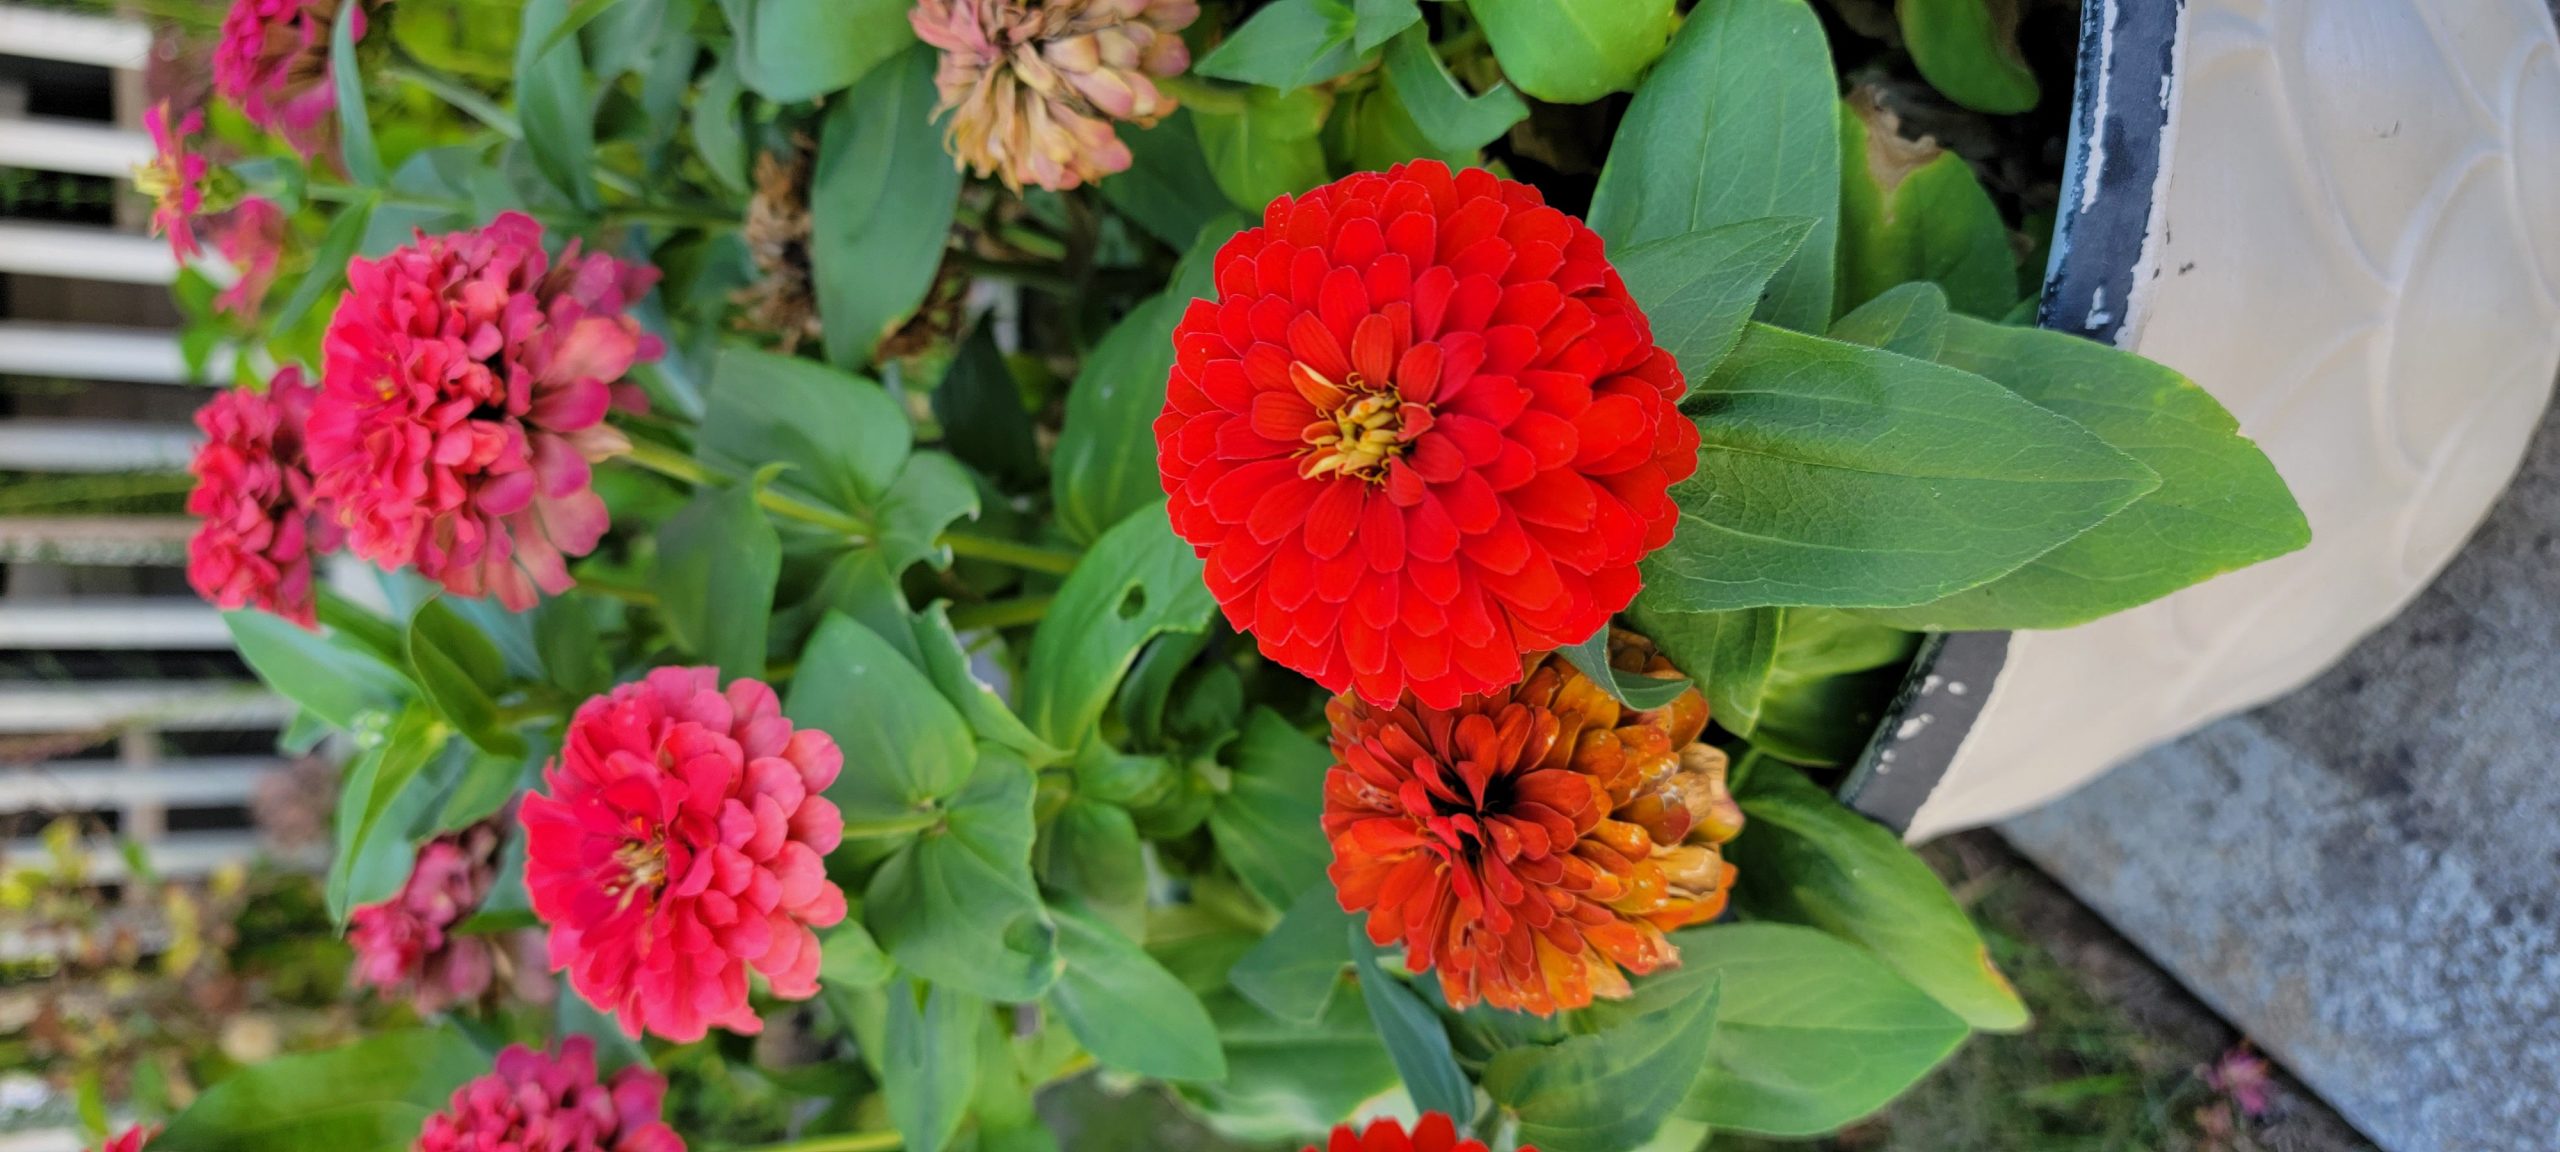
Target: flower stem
[1011,552]
[891,825]
[1001,613]
[839,1142]
[1201,94]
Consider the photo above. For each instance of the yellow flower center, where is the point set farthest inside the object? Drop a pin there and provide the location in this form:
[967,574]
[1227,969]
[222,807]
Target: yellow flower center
[1360,425]
[644,869]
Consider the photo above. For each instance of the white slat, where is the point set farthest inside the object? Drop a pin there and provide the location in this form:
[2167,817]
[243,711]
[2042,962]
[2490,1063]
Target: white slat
[73,38]
[107,540]
[85,147]
[95,446]
[177,856]
[77,253]
[175,706]
[79,785]
[158,623]
[99,352]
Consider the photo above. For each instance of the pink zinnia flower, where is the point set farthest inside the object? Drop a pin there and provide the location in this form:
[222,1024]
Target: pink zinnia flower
[132,1141]
[682,841]
[534,1102]
[406,946]
[174,179]
[463,399]
[260,515]
[251,237]
[273,65]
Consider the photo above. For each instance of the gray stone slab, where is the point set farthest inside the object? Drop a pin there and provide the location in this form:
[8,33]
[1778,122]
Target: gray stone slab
[2365,876]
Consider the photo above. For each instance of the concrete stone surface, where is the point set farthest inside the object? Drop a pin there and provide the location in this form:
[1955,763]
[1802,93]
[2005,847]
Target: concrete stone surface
[2365,876]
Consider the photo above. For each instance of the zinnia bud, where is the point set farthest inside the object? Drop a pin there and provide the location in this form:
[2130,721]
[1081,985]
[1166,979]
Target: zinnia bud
[679,840]
[1533,845]
[407,946]
[174,178]
[1423,431]
[273,65]
[464,397]
[259,514]
[1435,1132]
[133,1140]
[534,1102]
[1034,87]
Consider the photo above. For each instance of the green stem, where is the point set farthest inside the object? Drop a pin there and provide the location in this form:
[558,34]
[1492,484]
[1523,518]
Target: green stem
[452,91]
[891,825]
[840,1142]
[1201,95]
[1001,613]
[1014,553]
[631,594]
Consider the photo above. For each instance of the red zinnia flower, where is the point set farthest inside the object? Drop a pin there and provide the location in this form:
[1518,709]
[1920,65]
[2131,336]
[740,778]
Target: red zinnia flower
[174,179]
[251,238]
[537,1103]
[1532,843]
[273,65]
[260,520]
[683,841]
[133,1140]
[1435,1132]
[464,397]
[1423,431]
[407,946]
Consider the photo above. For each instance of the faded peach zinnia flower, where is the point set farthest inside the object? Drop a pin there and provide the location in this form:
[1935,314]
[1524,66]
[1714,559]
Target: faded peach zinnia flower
[1422,431]
[251,238]
[464,397]
[174,179]
[535,1102]
[1435,1132]
[273,65]
[682,841]
[260,518]
[1533,845]
[1034,85]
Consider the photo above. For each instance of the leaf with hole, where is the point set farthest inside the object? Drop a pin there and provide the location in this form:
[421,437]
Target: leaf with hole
[1138,580]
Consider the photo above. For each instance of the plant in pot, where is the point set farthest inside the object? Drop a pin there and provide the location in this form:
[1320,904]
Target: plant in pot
[1325,556]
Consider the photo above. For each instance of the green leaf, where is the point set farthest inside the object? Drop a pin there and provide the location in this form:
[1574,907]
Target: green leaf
[1413,1034]
[1091,851]
[1574,51]
[1609,1090]
[1293,971]
[1806,859]
[1831,474]
[930,1068]
[1828,685]
[1377,21]
[933,492]
[1168,188]
[488,781]
[1441,110]
[457,666]
[1968,49]
[1267,146]
[845,439]
[370,1096]
[572,656]
[717,138]
[382,799]
[328,271]
[1698,289]
[1913,211]
[717,561]
[1104,468]
[1906,320]
[555,105]
[1371,131]
[1635,690]
[1727,653]
[983,421]
[947,663]
[1811,1033]
[848,956]
[880,204]
[1288,44]
[1138,580]
[355,124]
[795,50]
[959,901]
[1126,1009]
[1268,822]
[2220,505]
[330,677]
[907,746]
[1744,78]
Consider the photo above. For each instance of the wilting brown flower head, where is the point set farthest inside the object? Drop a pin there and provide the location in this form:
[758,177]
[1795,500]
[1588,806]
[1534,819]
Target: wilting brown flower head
[1034,85]
[1535,844]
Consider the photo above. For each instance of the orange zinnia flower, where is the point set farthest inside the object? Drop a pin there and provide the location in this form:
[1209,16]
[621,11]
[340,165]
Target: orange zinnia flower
[1533,845]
